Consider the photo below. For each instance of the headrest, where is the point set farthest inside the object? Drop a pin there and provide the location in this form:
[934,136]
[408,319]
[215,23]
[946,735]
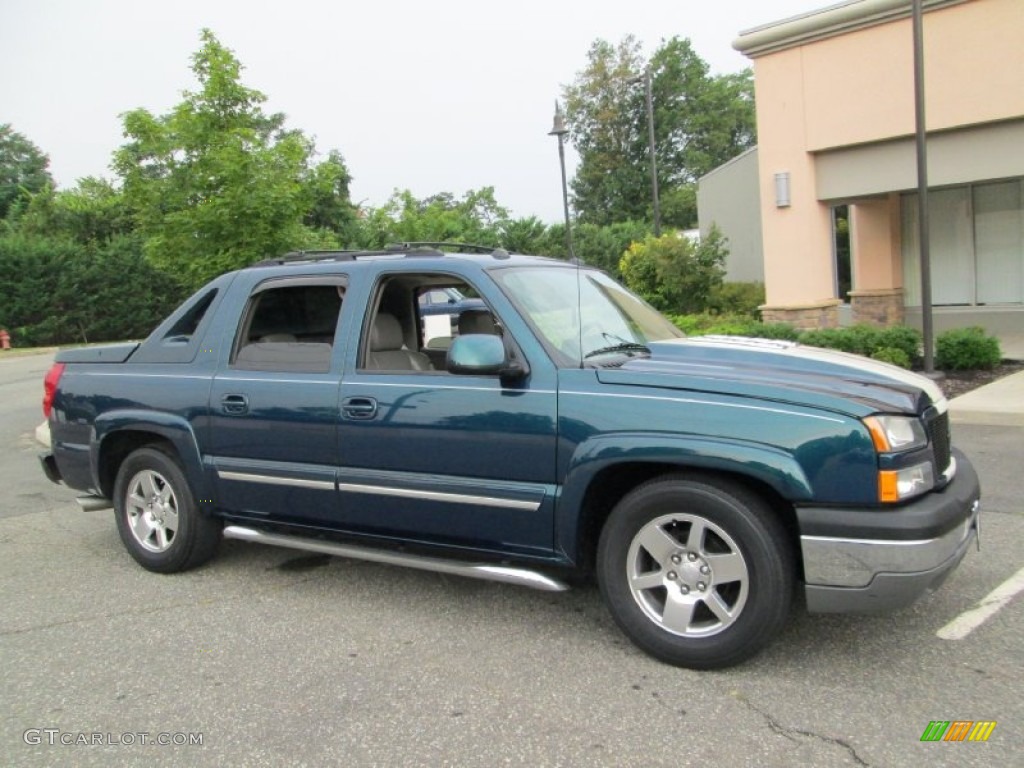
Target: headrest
[476,321]
[386,333]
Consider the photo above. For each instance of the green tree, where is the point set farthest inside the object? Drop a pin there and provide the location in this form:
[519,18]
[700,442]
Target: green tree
[700,121]
[23,169]
[216,183]
[603,247]
[527,235]
[92,212]
[604,108]
[475,218]
[331,208]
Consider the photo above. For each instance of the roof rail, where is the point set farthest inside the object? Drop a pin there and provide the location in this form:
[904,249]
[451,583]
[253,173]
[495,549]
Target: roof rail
[464,247]
[305,256]
[407,250]
[342,255]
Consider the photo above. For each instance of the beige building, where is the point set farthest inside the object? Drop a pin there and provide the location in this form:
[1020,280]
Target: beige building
[835,120]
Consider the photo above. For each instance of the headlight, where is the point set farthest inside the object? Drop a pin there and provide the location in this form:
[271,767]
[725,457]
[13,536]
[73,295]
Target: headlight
[896,433]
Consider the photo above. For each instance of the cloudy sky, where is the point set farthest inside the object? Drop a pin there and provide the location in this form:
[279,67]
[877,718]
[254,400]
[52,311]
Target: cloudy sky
[443,95]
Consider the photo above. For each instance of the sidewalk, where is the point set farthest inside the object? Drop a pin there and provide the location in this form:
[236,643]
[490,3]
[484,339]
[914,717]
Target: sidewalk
[1012,345]
[1000,403]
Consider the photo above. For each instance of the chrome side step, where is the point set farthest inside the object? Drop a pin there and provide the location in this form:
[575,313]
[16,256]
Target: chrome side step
[94,503]
[506,574]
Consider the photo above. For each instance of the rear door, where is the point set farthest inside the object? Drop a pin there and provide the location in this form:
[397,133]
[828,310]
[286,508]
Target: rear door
[274,405]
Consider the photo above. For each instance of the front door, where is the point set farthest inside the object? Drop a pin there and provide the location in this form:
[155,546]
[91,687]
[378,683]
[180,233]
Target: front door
[467,461]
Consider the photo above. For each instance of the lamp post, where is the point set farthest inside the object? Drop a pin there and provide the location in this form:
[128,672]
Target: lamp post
[649,102]
[558,129]
[650,142]
[921,145]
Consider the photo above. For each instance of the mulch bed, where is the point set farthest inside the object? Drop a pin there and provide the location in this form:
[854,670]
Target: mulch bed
[956,383]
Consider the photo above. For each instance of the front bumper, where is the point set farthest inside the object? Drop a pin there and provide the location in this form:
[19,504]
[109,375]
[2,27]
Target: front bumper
[874,560]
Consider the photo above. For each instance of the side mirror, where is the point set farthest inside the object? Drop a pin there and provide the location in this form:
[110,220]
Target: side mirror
[481,354]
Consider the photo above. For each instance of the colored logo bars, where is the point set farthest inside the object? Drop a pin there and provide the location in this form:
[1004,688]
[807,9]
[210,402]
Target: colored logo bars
[958,730]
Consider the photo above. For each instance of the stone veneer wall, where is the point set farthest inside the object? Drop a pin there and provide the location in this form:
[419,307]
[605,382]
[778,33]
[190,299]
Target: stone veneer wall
[806,317]
[878,307]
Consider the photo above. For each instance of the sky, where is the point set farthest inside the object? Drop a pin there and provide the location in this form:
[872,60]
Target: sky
[437,96]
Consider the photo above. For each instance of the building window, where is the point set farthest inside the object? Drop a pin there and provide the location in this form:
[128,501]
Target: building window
[977,245]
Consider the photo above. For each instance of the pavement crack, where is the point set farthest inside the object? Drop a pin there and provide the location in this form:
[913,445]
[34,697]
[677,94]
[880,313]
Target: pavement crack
[792,733]
[92,618]
[666,706]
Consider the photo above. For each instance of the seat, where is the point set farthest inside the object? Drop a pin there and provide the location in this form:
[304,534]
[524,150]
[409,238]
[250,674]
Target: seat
[387,348]
[477,321]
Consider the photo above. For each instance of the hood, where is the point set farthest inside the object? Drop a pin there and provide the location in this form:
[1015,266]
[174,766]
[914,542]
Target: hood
[779,371]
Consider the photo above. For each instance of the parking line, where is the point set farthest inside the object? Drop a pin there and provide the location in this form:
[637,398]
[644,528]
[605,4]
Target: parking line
[968,621]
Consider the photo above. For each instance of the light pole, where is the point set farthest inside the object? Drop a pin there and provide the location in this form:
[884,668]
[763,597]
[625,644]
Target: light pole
[921,145]
[558,129]
[654,161]
[649,100]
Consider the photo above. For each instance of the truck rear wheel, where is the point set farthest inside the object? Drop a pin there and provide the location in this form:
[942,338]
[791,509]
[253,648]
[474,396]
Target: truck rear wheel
[697,571]
[157,517]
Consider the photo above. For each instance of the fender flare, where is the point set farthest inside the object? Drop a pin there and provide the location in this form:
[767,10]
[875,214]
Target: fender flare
[765,464]
[174,429]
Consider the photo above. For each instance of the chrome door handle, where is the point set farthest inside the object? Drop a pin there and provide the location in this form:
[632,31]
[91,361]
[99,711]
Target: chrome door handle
[234,404]
[359,407]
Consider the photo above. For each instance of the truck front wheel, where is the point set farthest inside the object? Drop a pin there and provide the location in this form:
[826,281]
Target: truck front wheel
[157,517]
[697,571]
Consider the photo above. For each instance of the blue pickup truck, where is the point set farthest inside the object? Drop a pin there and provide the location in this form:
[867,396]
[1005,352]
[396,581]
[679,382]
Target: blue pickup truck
[565,430]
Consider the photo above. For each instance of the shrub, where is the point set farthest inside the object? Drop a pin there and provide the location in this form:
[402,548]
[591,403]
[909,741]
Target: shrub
[672,273]
[737,298]
[829,338]
[66,292]
[782,331]
[907,340]
[966,349]
[732,325]
[704,323]
[869,341]
[893,355]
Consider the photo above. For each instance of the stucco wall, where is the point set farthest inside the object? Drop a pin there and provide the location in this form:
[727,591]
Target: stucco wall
[852,85]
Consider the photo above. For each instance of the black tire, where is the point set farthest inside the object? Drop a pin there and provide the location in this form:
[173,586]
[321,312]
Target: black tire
[157,517]
[697,571]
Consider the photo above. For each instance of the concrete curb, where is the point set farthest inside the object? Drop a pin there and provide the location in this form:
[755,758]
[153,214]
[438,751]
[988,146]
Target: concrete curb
[1000,403]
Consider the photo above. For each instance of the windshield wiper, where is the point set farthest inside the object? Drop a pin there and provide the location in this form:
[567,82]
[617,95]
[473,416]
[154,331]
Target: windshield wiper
[626,346]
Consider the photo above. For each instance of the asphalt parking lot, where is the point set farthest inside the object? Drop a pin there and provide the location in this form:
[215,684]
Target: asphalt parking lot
[273,657]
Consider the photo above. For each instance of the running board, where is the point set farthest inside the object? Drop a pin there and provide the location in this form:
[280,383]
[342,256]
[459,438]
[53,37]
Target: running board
[94,503]
[502,573]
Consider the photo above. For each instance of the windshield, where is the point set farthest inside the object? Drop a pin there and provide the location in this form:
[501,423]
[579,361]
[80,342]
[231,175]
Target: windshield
[567,307]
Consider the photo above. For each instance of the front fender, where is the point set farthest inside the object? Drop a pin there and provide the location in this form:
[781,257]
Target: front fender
[765,464]
[112,425]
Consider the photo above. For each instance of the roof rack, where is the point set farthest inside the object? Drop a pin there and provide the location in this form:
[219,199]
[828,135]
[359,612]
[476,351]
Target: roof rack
[463,247]
[409,250]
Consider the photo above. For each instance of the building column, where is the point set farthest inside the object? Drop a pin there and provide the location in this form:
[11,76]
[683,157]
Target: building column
[875,250]
[796,226]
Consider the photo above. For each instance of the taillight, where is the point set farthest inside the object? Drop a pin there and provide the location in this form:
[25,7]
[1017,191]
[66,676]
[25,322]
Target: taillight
[50,387]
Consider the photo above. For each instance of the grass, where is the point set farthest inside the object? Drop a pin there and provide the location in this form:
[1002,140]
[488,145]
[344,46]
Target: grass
[7,354]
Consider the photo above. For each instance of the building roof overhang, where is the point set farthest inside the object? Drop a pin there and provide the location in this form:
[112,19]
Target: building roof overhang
[827,22]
